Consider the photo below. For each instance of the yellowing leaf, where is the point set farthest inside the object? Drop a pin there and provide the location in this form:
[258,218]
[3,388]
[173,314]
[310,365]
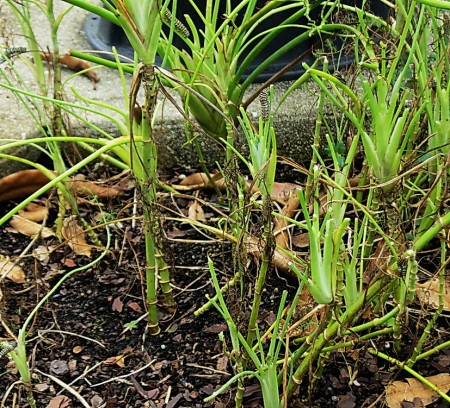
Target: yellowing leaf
[428,293]
[30,228]
[400,391]
[196,212]
[11,271]
[75,237]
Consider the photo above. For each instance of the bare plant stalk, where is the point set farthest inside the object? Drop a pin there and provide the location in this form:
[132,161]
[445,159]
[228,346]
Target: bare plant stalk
[427,331]
[145,168]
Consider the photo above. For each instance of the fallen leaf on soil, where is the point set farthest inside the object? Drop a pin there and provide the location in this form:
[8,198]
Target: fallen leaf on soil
[418,403]
[75,237]
[281,232]
[281,191]
[135,306]
[280,259]
[443,361]
[96,401]
[377,261]
[222,363]
[428,293]
[73,63]
[72,365]
[117,360]
[13,272]
[301,240]
[196,212]
[77,349]
[88,188]
[59,367]
[215,328]
[152,394]
[174,401]
[117,305]
[41,387]
[70,263]
[285,191]
[200,180]
[306,316]
[61,401]
[21,184]
[176,233]
[400,391]
[42,253]
[347,401]
[34,212]
[30,228]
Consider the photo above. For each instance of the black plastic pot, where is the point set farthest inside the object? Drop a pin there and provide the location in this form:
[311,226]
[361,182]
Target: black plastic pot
[102,35]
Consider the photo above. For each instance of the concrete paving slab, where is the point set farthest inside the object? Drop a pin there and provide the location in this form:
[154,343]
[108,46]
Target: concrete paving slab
[294,123]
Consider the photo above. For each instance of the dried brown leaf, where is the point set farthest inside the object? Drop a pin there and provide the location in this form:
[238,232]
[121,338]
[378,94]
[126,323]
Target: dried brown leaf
[42,387]
[117,305]
[117,360]
[280,259]
[200,180]
[135,306]
[196,212]
[73,63]
[70,263]
[400,391]
[61,401]
[281,224]
[30,228]
[428,293]
[222,363]
[285,191]
[176,233]
[301,240]
[34,212]
[11,271]
[21,184]
[75,237]
[87,188]
[306,316]
[77,349]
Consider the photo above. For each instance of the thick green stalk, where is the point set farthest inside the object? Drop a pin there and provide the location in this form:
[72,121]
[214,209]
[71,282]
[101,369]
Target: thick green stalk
[329,334]
[424,239]
[269,385]
[19,356]
[234,335]
[265,262]
[145,167]
[427,330]
[150,272]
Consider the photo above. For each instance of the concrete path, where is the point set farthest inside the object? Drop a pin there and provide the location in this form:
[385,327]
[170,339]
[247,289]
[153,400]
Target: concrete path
[294,122]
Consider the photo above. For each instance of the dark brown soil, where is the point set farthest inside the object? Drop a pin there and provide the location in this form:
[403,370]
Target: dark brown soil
[80,335]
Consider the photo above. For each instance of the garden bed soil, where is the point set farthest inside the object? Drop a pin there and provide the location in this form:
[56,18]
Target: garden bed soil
[91,334]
